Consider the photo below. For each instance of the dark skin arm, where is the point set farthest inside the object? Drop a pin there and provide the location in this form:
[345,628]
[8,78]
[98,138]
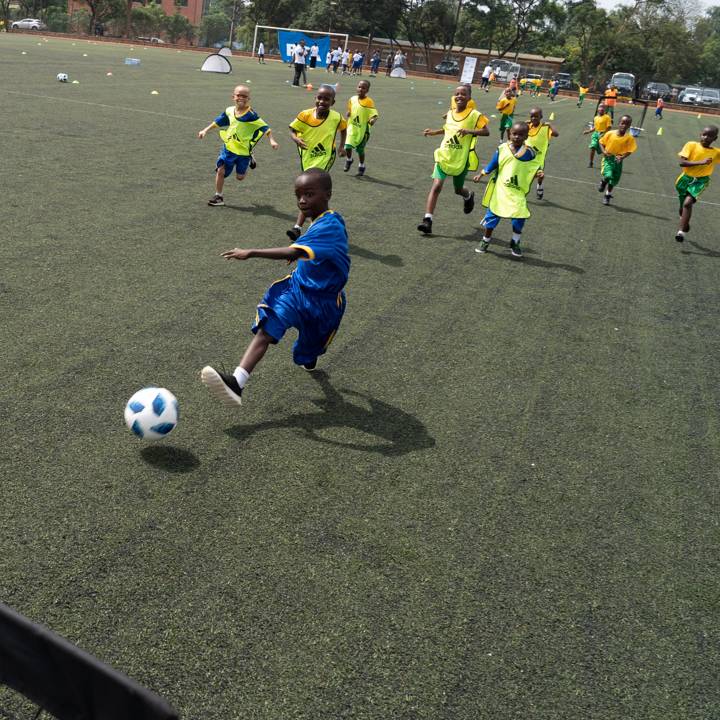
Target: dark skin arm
[482,132]
[281,253]
[694,163]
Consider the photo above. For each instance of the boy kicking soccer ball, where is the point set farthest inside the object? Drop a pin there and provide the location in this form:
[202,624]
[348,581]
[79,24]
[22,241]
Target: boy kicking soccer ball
[616,146]
[240,128]
[698,160]
[311,299]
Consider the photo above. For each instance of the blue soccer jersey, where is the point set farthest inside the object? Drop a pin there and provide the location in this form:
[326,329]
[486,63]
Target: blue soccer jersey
[327,266]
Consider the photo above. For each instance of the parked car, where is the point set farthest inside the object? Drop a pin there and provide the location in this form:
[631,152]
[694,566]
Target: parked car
[563,80]
[448,67]
[710,97]
[505,70]
[28,24]
[655,90]
[690,95]
[154,40]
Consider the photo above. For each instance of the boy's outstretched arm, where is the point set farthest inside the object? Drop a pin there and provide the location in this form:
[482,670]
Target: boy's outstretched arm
[271,139]
[684,162]
[428,131]
[281,253]
[205,131]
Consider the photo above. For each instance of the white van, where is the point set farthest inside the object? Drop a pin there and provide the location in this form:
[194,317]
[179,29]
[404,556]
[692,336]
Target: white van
[504,70]
[624,82]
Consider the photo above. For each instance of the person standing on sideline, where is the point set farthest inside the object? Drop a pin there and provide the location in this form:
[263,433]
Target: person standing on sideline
[261,52]
[291,51]
[314,55]
[388,64]
[659,108]
[328,61]
[336,55]
[485,79]
[375,63]
[299,60]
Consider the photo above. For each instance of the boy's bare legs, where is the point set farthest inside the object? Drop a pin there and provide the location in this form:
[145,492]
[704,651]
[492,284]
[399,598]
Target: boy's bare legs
[685,215]
[426,225]
[255,351]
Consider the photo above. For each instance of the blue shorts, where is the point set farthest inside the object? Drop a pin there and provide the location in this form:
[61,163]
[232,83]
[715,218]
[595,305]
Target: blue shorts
[491,220]
[230,160]
[316,317]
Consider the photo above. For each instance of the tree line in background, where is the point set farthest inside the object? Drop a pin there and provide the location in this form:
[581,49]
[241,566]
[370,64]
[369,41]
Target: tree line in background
[671,41]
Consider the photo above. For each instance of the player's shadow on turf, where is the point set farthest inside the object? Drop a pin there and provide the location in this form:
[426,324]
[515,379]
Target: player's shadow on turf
[267,210]
[172,459]
[378,181]
[533,261]
[550,203]
[398,432]
[704,252]
[392,260]
[632,211]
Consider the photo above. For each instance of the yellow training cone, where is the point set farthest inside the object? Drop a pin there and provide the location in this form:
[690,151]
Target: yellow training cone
[552,116]
[660,131]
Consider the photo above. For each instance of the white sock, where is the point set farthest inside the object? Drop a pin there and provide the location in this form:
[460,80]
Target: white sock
[487,238]
[242,376]
[361,165]
[428,216]
[681,233]
[516,237]
[297,227]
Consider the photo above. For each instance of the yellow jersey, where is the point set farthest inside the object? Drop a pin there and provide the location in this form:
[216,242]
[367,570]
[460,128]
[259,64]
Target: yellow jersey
[602,123]
[614,144]
[694,151]
[506,105]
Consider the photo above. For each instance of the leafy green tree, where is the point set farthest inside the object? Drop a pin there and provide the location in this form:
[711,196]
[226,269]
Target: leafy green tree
[148,19]
[102,11]
[214,28]
[177,26]
[57,19]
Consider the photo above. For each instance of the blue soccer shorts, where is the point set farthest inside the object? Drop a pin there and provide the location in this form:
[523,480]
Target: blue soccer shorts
[316,317]
[230,161]
[491,220]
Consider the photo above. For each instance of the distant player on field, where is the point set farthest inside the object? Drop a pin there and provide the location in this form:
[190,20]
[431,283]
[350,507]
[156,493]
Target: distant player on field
[698,160]
[600,125]
[314,131]
[506,106]
[240,128]
[539,134]
[361,116]
[311,299]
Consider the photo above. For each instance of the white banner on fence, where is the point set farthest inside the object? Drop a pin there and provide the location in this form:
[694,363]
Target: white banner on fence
[468,71]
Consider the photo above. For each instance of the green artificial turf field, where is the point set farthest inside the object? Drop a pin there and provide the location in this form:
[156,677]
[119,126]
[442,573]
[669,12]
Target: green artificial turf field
[497,500]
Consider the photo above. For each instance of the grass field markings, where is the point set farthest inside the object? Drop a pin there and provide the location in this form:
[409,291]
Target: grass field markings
[102,105]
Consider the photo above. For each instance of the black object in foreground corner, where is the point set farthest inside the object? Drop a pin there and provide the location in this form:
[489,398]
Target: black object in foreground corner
[66,681]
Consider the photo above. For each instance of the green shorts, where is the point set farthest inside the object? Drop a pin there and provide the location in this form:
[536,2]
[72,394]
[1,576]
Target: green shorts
[692,186]
[506,122]
[611,170]
[360,147]
[458,180]
[595,141]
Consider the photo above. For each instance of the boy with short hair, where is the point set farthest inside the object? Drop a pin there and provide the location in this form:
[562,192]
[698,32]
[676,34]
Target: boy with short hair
[314,131]
[455,156]
[698,161]
[513,168]
[506,106]
[539,134]
[240,129]
[362,116]
[311,299]
[616,146]
[600,125]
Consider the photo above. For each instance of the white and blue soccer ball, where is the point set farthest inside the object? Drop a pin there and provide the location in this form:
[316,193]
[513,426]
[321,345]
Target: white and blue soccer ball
[151,413]
[62,77]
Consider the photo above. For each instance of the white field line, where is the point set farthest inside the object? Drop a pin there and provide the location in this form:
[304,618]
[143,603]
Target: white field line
[379,147]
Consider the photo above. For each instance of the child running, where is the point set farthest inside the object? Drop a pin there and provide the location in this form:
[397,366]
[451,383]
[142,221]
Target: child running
[582,92]
[600,125]
[311,299]
[241,128]
[513,169]
[539,134]
[362,116]
[313,131]
[616,146]
[454,157]
[506,106]
[659,108]
[698,160]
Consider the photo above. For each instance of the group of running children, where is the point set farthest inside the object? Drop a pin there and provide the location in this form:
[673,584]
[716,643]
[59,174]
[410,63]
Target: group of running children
[312,298]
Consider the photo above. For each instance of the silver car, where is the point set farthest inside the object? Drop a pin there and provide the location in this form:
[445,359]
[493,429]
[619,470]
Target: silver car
[28,24]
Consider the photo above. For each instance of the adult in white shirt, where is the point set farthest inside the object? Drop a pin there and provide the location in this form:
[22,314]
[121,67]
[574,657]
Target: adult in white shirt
[344,61]
[261,52]
[291,51]
[336,55]
[314,55]
[299,60]
[485,80]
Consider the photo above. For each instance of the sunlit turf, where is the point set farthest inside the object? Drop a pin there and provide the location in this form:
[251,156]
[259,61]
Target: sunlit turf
[498,498]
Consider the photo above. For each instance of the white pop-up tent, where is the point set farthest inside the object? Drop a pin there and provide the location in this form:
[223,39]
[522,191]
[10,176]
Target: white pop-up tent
[225,52]
[217,63]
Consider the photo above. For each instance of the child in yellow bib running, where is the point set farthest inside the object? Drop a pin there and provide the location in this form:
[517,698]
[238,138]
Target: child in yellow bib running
[361,116]
[539,134]
[582,92]
[513,168]
[506,106]
[455,155]
[314,131]
[698,160]
[240,128]
[600,125]
[616,146]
